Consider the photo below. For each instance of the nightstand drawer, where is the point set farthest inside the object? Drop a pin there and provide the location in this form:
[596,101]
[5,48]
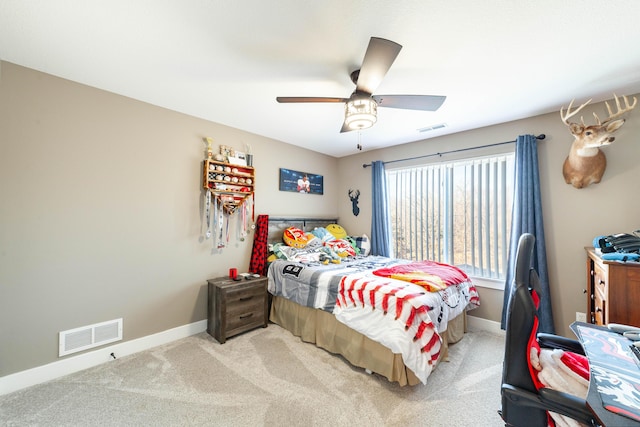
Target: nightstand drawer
[244,320]
[243,295]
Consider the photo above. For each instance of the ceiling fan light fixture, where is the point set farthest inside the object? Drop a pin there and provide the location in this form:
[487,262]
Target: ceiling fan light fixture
[360,113]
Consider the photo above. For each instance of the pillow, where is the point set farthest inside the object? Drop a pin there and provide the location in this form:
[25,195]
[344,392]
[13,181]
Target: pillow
[363,244]
[337,231]
[295,237]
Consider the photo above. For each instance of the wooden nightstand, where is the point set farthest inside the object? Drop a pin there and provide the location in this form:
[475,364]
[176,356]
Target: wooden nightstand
[236,306]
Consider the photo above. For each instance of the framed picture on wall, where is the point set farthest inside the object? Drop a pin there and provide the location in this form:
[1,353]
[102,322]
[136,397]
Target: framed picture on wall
[301,182]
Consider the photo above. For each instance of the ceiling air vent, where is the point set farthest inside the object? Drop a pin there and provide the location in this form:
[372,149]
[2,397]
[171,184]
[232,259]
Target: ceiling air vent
[434,127]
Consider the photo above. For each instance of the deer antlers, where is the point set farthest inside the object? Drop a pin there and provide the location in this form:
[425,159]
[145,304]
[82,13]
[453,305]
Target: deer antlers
[565,116]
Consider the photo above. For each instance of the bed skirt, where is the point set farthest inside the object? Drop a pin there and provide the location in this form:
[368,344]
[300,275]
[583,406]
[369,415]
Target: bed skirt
[325,331]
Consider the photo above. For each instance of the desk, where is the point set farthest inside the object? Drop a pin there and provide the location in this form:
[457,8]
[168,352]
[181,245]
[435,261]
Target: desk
[614,385]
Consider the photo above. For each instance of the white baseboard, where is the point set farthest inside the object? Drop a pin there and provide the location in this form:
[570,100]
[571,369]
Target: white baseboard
[479,324]
[60,368]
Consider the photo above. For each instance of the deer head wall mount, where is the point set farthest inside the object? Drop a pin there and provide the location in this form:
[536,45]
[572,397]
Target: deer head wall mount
[354,195]
[586,162]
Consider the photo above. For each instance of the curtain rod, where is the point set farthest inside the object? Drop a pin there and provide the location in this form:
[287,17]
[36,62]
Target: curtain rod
[366,165]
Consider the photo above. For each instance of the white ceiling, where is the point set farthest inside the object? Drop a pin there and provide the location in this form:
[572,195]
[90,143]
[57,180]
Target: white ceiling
[226,61]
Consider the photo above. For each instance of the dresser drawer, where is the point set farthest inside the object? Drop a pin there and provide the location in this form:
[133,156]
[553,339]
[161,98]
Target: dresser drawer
[599,308]
[600,278]
[613,290]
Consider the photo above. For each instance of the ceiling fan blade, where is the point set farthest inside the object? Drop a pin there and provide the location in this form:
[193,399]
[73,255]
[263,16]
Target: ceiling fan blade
[410,102]
[377,60]
[288,99]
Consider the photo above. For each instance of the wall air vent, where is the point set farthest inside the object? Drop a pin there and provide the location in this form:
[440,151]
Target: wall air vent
[434,127]
[90,336]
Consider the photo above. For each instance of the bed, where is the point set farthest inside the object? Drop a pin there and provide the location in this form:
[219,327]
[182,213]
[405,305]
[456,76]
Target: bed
[369,309]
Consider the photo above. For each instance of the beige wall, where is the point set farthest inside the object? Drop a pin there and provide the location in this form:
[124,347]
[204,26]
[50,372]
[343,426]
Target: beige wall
[100,207]
[572,217]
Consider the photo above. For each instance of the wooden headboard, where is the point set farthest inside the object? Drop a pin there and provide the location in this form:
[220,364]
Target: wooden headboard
[278,225]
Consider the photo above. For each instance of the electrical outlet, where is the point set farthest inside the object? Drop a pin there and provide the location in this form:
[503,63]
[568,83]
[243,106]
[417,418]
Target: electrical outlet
[581,317]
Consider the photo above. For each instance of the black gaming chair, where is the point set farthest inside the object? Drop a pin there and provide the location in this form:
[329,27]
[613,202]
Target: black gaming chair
[522,403]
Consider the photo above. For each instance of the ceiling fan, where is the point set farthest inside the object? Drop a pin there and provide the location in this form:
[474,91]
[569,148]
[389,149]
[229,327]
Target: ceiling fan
[362,106]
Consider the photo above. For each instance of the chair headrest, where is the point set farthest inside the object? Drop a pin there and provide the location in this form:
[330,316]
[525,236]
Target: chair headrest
[523,259]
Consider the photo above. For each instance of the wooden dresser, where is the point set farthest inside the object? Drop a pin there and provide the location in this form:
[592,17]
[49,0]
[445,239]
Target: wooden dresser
[613,291]
[236,306]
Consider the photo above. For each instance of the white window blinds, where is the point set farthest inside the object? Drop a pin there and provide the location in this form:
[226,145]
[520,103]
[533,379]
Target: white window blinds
[457,213]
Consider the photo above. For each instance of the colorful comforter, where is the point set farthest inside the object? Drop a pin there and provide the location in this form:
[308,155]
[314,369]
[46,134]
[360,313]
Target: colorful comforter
[398,314]
[431,275]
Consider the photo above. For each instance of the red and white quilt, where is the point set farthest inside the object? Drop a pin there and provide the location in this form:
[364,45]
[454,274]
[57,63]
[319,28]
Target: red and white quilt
[403,316]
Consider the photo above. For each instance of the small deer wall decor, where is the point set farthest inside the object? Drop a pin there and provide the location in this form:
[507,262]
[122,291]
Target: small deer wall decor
[586,163]
[353,196]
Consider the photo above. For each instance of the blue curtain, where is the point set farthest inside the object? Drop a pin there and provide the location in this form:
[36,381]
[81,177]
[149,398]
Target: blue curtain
[380,228]
[527,218]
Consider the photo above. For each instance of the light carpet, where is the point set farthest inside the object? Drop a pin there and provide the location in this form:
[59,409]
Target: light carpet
[266,377]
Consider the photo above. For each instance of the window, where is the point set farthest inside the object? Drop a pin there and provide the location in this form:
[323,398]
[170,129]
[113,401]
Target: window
[457,213]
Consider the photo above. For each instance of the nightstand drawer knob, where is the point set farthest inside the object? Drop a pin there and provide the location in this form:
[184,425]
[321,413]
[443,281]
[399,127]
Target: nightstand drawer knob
[246,298]
[245,316]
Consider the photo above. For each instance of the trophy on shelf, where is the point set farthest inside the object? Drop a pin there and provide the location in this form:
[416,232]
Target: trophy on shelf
[209,152]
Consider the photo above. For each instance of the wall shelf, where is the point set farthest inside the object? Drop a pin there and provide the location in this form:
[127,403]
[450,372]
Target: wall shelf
[230,184]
